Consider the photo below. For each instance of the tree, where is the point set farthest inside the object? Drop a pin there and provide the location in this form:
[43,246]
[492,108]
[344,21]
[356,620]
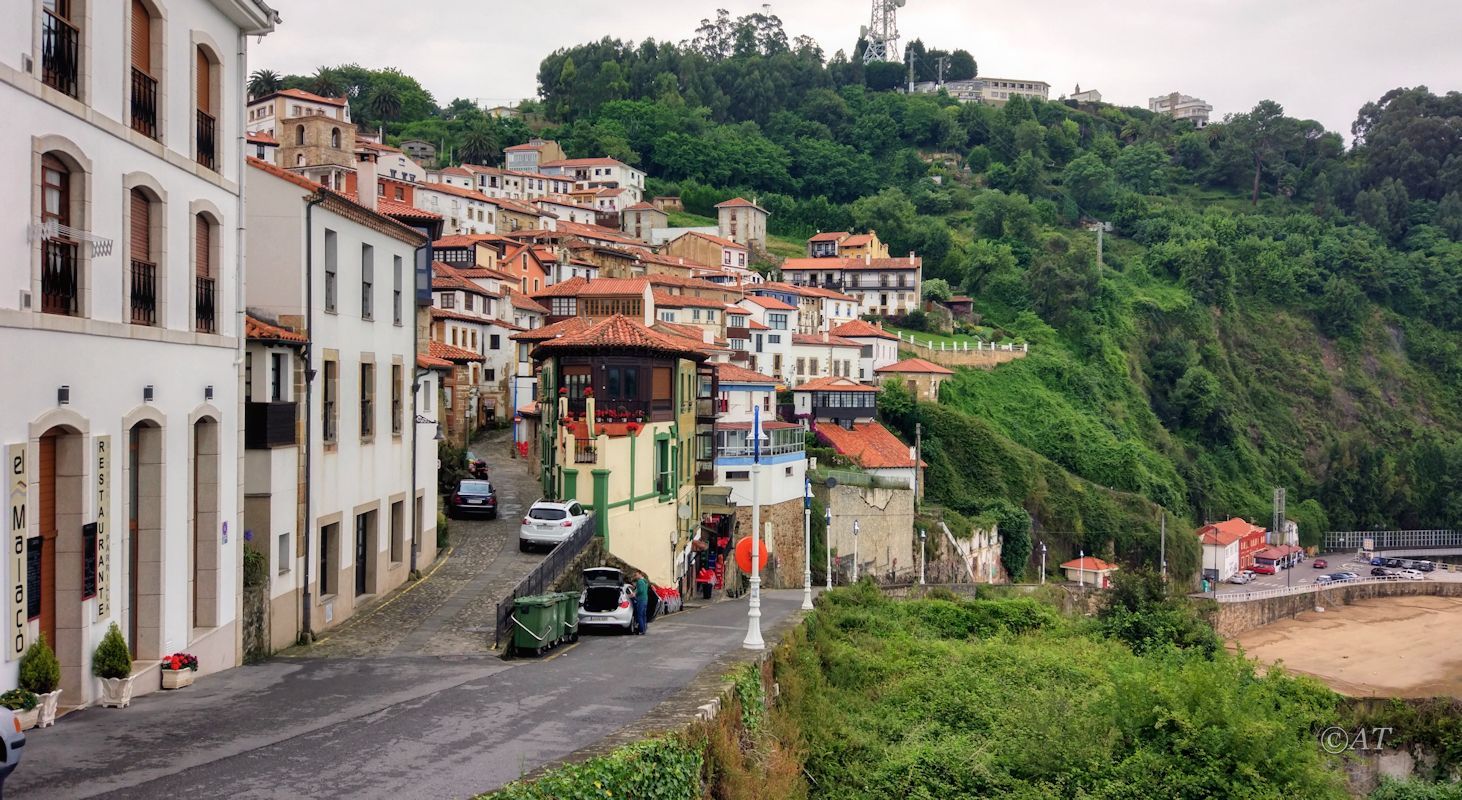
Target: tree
[1341,307]
[882,76]
[1449,216]
[478,145]
[327,82]
[1142,611]
[1089,181]
[385,102]
[264,82]
[937,289]
[962,66]
[1143,167]
[1261,132]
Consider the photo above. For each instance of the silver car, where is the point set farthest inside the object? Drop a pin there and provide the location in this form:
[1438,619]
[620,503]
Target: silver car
[607,600]
[11,743]
[550,522]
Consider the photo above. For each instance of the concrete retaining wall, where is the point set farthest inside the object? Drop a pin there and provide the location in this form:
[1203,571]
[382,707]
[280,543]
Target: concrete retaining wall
[1232,619]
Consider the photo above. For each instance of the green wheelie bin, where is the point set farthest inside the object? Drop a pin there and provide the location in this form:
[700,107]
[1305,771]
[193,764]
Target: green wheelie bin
[535,623]
[569,607]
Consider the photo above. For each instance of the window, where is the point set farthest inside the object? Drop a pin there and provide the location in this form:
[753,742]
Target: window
[467,302]
[396,272]
[330,268]
[489,374]
[495,341]
[142,283]
[299,135]
[812,366]
[738,475]
[367,282]
[329,544]
[777,322]
[205,300]
[207,121]
[144,81]
[335,138]
[397,393]
[662,467]
[801,364]
[622,383]
[563,306]
[284,554]
[329,409]
[774,338]
[276,377]
[248,377]
[60,256]
[398,530]
[367,400]
[449,300]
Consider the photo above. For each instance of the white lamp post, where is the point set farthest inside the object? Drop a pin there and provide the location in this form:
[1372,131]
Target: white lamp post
[1080,568]
[922,534]
[827,536]
[1043,563]
[753,640]
[806,544]
[855,551]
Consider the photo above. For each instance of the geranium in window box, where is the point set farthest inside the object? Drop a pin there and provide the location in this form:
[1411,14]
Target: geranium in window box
[633,428]
[178,670]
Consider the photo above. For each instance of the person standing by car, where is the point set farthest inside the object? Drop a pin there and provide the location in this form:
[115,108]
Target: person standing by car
[642,602]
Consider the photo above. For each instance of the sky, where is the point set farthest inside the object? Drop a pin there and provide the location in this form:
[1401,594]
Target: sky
[1320,59]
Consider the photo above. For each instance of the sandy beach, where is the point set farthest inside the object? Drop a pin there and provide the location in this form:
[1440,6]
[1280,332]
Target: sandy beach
[1387,647]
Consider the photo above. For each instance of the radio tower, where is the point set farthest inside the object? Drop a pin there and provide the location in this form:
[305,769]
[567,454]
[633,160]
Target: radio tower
[882,32]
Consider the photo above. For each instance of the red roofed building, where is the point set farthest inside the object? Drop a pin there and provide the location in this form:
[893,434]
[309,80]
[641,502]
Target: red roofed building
[709,249]
[884,286]
[1089,571]
[922,378]
[743,222]
[1229,546]
[641,219]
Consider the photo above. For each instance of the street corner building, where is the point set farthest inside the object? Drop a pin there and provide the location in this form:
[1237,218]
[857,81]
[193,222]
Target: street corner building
[121,329]
[622,407]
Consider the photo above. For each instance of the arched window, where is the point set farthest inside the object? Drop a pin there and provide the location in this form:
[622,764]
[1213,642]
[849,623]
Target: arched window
[142,282]
[334,137]
[206,282]
[299,134]
[60,254]
[207,146]
[144,76]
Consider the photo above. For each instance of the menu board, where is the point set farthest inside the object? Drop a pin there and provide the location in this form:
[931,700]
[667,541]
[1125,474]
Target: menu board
[88,561]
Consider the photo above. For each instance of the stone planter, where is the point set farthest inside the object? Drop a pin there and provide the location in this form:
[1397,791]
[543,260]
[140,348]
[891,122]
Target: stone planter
[116,692]
[47,706]
[28,718]
[176,678]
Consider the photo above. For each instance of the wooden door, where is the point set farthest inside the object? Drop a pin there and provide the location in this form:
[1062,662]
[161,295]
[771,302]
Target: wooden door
[134,472]
[360,554]
[47,519]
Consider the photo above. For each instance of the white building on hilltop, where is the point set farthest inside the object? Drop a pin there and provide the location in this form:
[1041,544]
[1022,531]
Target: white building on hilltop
[121,329]
[1182,107]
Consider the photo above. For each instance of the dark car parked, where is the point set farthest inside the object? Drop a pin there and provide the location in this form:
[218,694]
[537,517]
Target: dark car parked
[1394,563]
[1380,572]
[473,498]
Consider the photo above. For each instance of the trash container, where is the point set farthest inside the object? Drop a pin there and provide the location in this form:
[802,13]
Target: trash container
[569,607]
[535,625]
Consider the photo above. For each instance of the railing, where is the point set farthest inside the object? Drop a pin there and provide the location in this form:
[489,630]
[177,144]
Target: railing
[1260,594]
[852,478]
[543,576]
[1392,540]
[60,54]
[59,284]
[747,451]
[585,451]
[144,293]
[144,103]
[821,411]
[203,306]
[709,406]
[206,143]
[269,425]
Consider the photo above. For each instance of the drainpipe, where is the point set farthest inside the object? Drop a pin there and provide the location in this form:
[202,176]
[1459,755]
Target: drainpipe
[309,445]
[416,375]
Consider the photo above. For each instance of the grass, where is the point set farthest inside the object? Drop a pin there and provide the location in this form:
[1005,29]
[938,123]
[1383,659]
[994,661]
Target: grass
[959,340]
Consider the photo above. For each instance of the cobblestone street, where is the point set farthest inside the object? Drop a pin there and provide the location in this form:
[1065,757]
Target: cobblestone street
[450,611]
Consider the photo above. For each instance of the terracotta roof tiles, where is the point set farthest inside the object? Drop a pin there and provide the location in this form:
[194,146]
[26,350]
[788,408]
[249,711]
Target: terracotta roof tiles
[916,365]
[259,330]
[861,329]
[450,353]
[869,444]
[730,373]
[621,332]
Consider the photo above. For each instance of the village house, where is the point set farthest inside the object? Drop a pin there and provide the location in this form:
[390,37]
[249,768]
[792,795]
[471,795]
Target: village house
[771,336]
[331,396]
[819,309]
[1089,571]
[743,222]
[1229,546]
[841,244]
[596,173]
[464,315]
[877,347]
[263,147]
[463,210]
[817,355]
[711,250]
[922,378]
[641,219]
[883,286]
[532,154]
[121,424]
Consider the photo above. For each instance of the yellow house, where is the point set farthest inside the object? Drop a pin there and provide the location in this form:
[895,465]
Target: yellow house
[860,245]
[619,433]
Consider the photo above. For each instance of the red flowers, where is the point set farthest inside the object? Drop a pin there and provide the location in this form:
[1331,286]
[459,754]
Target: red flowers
[180,661]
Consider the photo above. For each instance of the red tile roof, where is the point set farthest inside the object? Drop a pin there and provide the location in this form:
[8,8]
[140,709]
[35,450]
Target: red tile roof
[869,444]
[730,373]
[431,362]
[713,239]
[834,384]
[451,353]
[1088,564]
[817,339]
[467,239]
[805,291]
[861,329]
[643,206]
[753,325]
[740,202]
[260,330]
[447,188]
[262,138]
[599,287]
[301,94]
[284,174]
[444,276]
[856,240]
[369,145]
[527,303]
[852,263]
[524,146]
[455,171]
[585,162]
[563,327]
[668,300]
[830,236]
[917,366]
[1227,532]
[460,316]
[621,332]
[770,303]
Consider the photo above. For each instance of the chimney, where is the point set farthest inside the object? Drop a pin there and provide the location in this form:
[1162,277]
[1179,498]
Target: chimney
[824,336]
[366,184]
[868,256]
[911,256]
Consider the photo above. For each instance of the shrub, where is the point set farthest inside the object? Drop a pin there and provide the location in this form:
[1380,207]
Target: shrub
[256,568]
[19,699]
[666,767]
[112,658]
[40,672]
[444,536]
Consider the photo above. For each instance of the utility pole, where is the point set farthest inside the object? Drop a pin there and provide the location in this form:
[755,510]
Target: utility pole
[1100,229]
[922,533]
[1162,551]
[1043,563]
[918,458]
[753,640]
[827,540]
[806,544]
[911,72]
[943,64]
[855,551]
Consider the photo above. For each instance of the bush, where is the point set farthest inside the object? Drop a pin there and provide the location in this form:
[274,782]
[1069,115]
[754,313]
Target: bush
[1140,611]
[256,568]
[112,658]
[444,536]
[19,699]
[669,767]
[40,672]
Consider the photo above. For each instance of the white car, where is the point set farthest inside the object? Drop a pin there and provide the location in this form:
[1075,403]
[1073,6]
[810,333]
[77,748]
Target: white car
[1410,575]
[11,742]
[607,601]
[550,522]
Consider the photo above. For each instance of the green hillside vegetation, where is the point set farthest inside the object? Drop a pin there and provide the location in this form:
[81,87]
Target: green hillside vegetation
[1274,307]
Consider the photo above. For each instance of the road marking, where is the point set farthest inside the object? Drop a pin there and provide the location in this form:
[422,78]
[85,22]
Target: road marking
[403,592]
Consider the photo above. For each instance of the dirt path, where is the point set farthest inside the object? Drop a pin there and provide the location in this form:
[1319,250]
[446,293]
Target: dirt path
[1386,647]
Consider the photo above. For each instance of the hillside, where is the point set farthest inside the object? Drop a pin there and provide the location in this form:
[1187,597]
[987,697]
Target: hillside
[1273,308]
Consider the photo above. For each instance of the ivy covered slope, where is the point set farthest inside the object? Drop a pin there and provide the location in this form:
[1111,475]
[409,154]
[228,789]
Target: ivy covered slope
[1273,307]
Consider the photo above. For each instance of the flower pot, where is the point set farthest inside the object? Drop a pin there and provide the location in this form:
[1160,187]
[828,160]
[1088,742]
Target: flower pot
[27,719]
[116,692]
[47,706]
[176,678]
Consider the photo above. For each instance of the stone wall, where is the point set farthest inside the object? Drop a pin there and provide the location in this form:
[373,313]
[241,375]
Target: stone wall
[255,624]
[985,358]
[781,525]
[886,539]
[1232,619]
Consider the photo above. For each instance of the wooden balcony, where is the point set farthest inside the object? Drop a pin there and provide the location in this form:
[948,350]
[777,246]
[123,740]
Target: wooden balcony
[269,425]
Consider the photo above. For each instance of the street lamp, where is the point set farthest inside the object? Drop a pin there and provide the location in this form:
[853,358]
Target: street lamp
[855,551]
[806,543]
[1043,563]
[827,541]
[753,640]
[922,534]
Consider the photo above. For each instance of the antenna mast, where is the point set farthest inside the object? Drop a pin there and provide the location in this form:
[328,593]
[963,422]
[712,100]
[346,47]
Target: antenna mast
[882,32]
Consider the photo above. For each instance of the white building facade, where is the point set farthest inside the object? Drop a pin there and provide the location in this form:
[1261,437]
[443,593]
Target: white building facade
[120,330]
[1182,107]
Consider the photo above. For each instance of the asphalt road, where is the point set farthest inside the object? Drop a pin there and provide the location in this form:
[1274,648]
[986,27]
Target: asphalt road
[1305,573]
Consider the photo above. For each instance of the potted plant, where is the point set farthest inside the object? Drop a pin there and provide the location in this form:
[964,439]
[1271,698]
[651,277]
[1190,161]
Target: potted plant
[40,672]
[112,663]
[178,670]
[23,702]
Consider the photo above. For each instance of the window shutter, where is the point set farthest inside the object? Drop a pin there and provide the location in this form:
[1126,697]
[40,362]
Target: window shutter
[205,83]
[141,37]
[203,241]
[660,384]
[141,227]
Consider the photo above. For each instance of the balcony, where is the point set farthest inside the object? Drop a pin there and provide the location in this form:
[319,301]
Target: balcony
[842,412]
[144,103]
[585,452]
[269,425]
[207,152]
[60,287]
[705,473]
[144,293]
[60,54]
[205,314]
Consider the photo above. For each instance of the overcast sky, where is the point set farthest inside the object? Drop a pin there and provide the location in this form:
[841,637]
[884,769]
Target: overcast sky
[1321,59]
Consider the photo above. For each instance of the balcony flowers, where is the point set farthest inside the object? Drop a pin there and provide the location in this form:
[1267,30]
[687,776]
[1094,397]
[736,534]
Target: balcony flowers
[633,428]
[178,670]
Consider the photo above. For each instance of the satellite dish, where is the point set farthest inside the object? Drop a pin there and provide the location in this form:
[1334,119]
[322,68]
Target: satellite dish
[899,3]
[862,31]
[683,511]
[831,482]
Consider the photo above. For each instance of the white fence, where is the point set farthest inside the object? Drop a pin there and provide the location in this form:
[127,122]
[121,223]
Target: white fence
[1260,594]
[964,347]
